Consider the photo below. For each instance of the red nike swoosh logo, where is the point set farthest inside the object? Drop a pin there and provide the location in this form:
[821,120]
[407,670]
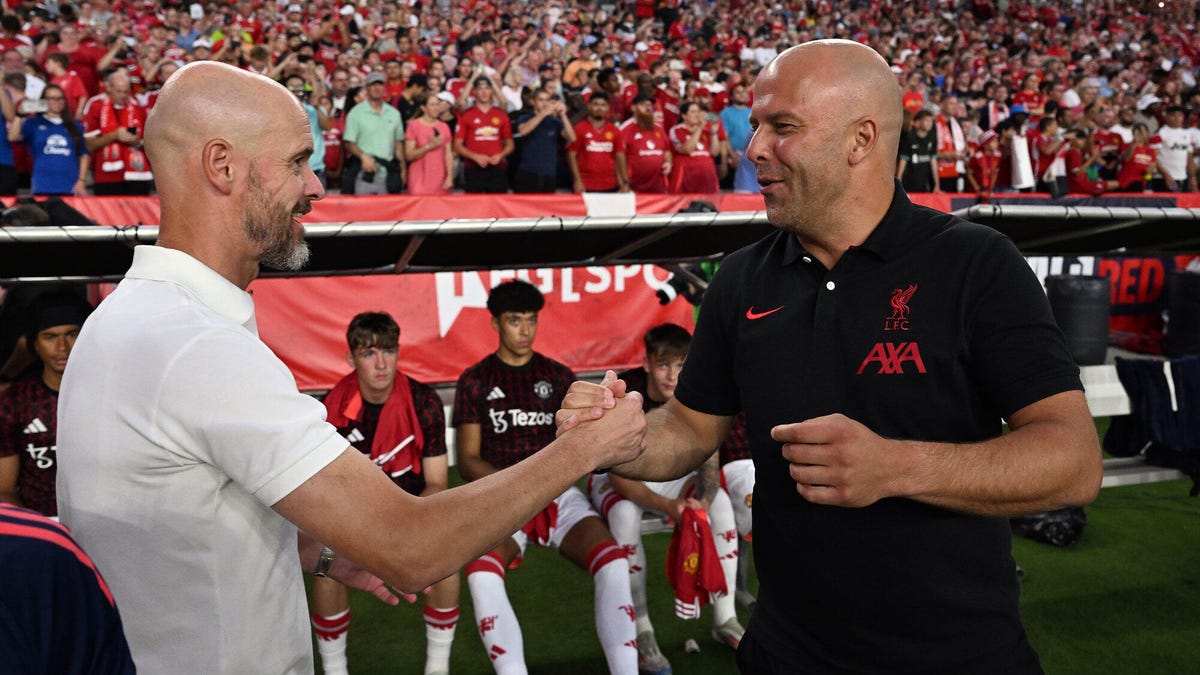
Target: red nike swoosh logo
[752,315]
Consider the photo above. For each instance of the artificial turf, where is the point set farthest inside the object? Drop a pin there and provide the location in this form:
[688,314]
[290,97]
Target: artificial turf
[1125,600]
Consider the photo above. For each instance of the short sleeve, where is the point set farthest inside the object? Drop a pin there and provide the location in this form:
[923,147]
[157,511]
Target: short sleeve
[432,419]
[243,414]
[466,400]
[707,383]
[1017,351]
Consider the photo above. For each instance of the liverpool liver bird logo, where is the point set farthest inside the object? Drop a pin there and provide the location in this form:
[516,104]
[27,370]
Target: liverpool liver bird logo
[899,301]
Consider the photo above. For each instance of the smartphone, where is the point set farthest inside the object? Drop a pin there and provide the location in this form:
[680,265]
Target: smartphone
[32,106]
[132,130]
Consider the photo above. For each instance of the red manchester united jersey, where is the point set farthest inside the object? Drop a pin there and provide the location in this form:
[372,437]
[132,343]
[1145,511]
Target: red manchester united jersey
[645,152]
[482,131]
[596,151]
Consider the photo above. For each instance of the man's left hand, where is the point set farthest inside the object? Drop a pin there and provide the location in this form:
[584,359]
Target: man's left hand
[352,575]
[838,461]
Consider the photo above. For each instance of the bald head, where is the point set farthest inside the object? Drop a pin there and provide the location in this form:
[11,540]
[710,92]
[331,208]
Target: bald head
[827,117]
[207,100]
[850,78]
[231,152]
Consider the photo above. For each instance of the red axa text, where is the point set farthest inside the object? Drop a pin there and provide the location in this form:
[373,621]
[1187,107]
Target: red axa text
[891,357]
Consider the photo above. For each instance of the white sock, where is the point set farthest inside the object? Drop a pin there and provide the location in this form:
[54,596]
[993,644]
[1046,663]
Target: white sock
[613,607]
[720,517]
[439,637]
[625,522]
[496,621]
[331,641]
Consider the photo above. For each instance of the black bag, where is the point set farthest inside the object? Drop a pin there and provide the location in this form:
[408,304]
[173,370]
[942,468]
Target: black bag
[1063,527]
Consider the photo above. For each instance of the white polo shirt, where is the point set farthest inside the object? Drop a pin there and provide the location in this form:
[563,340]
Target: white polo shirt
[178,429]
[1173,151]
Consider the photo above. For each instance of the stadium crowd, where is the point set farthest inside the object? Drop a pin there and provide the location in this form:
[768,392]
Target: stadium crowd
[647,95]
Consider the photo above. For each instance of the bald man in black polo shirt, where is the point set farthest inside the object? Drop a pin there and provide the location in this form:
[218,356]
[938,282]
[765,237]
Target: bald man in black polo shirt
[875,347]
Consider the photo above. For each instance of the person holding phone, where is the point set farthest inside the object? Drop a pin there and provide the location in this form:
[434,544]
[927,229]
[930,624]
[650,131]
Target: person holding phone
[60,156]
[113,124]
[427,148]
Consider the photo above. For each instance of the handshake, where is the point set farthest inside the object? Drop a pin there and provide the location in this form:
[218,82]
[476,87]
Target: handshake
[604,419]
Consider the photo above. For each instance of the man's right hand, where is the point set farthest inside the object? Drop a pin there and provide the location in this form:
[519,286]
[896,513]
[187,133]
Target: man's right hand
[588,401]
[123,136]
[618,436]
[368,164]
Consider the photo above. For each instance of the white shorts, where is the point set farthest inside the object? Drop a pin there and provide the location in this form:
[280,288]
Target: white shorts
[738,479]
[572,508]
[603,496]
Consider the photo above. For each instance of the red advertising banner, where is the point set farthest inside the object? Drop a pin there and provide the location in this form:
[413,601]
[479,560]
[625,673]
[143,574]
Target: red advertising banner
[594,318]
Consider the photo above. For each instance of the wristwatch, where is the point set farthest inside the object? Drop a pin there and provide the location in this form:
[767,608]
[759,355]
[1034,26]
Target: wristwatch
[324,562]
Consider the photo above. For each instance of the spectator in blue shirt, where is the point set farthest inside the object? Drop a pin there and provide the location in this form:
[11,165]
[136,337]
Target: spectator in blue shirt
[55,143]
[736,120]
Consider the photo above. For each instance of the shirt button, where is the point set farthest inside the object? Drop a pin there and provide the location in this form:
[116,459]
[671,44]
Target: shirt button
[807,259]
[830,285]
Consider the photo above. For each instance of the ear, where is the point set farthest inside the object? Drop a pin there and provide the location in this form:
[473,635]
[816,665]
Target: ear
[646,364]
[496,324]
[217,157]
[350,358]
[864,136]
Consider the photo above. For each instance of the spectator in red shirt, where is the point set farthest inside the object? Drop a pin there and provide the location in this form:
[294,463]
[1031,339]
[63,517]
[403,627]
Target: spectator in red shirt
[58,68]
[113,125]
[647,149]
[984,166]
[597,157]
[484,140]
[694,141]
[84,58]
[1141,161]
[1083,163]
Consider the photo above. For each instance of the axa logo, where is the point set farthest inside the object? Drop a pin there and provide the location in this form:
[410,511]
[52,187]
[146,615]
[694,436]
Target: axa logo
[890,358]
[900,310]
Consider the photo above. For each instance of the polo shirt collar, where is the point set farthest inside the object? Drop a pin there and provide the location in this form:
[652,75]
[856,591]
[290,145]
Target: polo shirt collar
[893,235]
[890,237]
[158,263]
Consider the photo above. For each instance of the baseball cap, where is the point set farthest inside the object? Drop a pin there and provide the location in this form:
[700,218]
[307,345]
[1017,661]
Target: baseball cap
[201,42]
[446,96]
[1018,109]
[1147,101]
[481,81]
[347,10]
[375,77]
[985,137]
[294,8]
[703,91]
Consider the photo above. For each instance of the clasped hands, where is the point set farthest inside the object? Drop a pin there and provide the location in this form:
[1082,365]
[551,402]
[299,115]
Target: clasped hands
[607,416]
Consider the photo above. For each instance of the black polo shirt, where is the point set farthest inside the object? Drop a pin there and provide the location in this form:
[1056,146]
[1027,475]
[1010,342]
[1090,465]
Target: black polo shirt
[934,329]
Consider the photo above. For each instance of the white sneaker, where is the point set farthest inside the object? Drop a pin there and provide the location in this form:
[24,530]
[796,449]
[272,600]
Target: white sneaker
[650,658]
[729,633]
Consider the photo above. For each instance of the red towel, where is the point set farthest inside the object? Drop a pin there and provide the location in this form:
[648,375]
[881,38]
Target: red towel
[398,439]
[541,526]
[693,566]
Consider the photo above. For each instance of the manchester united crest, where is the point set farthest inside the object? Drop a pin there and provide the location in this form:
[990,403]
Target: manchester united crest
[543,389]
